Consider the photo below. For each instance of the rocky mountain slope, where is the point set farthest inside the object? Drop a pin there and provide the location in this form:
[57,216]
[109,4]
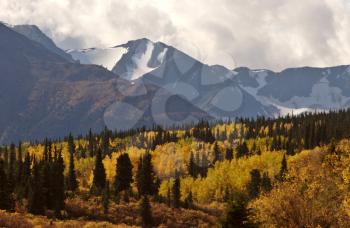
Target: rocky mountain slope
[44,95]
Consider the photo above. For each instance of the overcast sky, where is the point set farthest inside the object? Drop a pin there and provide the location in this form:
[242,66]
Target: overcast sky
[273,34]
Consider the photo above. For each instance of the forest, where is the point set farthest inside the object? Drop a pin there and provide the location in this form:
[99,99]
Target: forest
[291,171]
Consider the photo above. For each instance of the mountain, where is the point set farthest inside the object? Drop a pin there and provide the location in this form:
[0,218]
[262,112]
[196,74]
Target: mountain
[32,32]
[226,93]
[44,95]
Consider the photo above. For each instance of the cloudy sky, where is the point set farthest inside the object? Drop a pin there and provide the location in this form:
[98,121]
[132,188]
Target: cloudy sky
[272,34]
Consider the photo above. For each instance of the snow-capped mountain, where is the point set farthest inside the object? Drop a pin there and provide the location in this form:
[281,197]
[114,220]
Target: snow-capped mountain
[223,92]
[130,61]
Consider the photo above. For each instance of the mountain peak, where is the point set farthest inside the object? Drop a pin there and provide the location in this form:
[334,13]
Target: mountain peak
[34,33]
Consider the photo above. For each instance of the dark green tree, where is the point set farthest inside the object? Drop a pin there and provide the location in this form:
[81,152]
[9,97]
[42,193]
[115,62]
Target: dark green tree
[91,144]
[192,167]
[58,184]
[242,150]
[72,183]
[229,154]
[5,194]
[105,198]
[146,212]
[188,200]
[123,178]
[283,170]
[11,172]
[145,176]
[266,184]
[236,215]
[176,193]
[99,181]
[36,201]
[217,154]
[254,184]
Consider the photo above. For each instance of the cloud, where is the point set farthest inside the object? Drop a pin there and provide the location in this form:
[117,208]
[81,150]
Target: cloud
[271,34]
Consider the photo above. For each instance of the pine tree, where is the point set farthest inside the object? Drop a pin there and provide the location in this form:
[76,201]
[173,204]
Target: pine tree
[58,184]
[253,186]
[237,215]
[123,178]
[192,166]
[5,194]
[229,154]
[176,193]
[25,180]
[188,200]
[72,178]
[146,177]
[91,144]
[146,212]
[105,198]
[216,153]
[47,183]
[19,163]
[283,170]
[36,202]
[105,142]
[11,168]
[99,180]
[266,184]
[242,150]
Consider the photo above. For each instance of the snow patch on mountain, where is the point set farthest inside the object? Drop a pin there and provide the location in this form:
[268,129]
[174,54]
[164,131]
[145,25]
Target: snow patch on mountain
[322,96]
[140,64]
[106,57]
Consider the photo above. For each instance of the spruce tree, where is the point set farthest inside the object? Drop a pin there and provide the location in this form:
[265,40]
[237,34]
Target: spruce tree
[242,150]
[72,178]
[283,170]
[25,180]
[47,183]
[146,177]
[36,202]
[105,198]
[99,181]
[58,184]
[19,163]
[236,215]
[188,200]
[229,154]
[105,142]
[192,166]
[146,212]
[266,184]
[5,194]
[253,186]
[176,193]
[216,153]
[123,178]
[11,168]
[91,144]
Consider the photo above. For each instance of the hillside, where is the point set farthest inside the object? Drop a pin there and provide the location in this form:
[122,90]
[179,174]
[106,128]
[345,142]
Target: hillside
[241,172]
